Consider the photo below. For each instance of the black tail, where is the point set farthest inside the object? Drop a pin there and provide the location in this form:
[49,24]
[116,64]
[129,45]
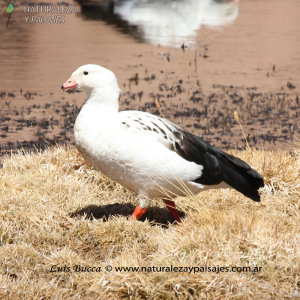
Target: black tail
[219,166]
[240,176]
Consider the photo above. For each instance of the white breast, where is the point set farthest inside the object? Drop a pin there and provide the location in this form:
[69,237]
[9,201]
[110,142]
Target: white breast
[135,159]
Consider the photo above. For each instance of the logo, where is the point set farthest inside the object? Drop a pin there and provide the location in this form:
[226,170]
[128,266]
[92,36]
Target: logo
[9,10]
[41,13]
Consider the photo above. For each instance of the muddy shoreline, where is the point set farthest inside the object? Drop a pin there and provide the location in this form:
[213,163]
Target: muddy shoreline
[268,119]
[250,66]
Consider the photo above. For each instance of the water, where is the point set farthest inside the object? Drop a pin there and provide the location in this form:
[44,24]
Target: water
[201,59]
[166,23]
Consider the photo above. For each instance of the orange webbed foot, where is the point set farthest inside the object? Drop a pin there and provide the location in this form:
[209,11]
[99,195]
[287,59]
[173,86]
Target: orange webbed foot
[138,213]
[172,208]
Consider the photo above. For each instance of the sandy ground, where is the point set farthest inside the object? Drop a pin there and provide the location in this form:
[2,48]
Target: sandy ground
[251,66]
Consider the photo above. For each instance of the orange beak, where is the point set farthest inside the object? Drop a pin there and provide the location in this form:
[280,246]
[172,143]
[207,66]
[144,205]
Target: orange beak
[70,84]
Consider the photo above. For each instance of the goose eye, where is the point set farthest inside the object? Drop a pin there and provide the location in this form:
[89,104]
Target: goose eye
[85,72]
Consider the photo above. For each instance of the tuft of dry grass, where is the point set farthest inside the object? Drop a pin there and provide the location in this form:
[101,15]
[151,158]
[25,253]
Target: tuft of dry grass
[39,192]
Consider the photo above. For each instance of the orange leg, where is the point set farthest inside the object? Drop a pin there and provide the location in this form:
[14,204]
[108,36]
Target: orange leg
[172,208]
[138,212]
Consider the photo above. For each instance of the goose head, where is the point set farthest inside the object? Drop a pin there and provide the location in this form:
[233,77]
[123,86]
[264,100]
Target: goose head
[89,77]
[99,83]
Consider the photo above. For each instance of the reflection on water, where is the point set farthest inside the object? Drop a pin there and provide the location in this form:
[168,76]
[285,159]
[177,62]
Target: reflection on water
[166,23]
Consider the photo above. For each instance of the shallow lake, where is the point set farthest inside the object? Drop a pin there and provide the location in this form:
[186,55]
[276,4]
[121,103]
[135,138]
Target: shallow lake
[194,62]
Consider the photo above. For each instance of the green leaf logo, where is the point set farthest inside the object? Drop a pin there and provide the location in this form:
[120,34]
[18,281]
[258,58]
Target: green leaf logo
[10,8]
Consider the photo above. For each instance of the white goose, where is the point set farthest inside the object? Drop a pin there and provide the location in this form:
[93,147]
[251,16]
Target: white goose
[148,154]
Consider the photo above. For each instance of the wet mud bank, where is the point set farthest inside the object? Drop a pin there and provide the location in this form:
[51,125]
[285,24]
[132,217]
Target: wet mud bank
[32,121]
[249,63]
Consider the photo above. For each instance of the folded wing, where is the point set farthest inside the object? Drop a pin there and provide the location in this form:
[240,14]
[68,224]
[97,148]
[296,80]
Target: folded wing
[217,165]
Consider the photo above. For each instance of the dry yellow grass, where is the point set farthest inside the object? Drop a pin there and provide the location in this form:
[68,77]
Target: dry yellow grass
[222,228]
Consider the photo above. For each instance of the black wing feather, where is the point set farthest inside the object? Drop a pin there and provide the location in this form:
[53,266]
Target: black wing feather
[219,166]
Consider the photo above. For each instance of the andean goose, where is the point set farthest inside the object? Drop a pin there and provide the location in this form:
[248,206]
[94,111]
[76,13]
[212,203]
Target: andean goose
[148,154]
